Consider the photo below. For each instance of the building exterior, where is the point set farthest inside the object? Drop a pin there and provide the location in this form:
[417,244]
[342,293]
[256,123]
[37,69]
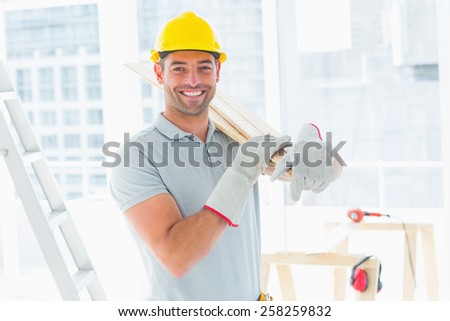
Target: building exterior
[53,56]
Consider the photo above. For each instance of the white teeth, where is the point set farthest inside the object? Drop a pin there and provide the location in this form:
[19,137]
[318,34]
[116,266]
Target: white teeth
[192,93]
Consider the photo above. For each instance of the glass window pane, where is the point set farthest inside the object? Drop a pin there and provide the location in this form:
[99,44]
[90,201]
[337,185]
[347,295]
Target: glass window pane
[146,90]
[148,115]
[49,141]
[97,180]
[24,84]
[95,141]
[48,118]
[74,179]
[72,141]
[71,117]
[93,82]
[95,116]
[69,83]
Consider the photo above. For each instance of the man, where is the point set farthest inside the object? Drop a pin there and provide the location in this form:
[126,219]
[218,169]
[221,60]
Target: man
[196,219]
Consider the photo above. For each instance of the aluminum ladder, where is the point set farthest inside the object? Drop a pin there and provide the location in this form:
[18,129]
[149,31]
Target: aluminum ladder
[23,156]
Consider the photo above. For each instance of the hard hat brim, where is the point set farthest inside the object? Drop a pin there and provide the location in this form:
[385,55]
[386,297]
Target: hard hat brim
[155,56]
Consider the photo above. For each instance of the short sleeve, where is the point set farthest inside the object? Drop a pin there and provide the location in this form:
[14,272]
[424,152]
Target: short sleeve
[135,179]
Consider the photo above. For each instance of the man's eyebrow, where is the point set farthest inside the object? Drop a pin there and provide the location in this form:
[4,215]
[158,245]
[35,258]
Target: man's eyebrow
[177,63]
[206,61]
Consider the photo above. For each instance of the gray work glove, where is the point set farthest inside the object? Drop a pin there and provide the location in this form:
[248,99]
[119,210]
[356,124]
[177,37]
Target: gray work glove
[308,159]
[251,160]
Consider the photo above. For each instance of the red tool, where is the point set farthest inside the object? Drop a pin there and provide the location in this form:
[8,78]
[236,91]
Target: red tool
[356,215]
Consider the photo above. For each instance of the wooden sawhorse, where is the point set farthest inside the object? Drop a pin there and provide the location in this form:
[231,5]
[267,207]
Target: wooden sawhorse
[411,231]
[283,262]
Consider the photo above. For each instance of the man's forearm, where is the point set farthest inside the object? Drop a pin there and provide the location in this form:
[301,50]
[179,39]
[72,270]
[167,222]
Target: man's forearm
[191,239]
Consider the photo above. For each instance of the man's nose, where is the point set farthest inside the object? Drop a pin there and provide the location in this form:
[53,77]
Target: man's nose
[192,79]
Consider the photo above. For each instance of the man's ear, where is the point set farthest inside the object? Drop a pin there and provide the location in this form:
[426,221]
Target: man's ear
[218,65]
[159,73]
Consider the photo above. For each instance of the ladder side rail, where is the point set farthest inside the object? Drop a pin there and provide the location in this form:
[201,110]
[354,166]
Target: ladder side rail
[22,125]
[5,83]
[48,184]
[36,216]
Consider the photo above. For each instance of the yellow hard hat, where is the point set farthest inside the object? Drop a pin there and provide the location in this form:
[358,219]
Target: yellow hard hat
[187,31]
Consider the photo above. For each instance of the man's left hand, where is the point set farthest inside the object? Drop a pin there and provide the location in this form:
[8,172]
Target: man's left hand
[313,165]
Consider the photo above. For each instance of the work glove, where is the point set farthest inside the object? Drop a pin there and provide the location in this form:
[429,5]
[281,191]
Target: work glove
[308,159]
[251,160]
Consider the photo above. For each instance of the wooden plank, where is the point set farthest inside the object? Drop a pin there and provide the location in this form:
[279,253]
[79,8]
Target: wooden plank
[326,259]
[384,226]
[409,266]
[225,127]
[429,256]
[340,273]
[286,282]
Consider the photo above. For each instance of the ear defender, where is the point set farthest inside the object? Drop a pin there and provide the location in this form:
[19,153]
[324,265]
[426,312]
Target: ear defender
[359,279]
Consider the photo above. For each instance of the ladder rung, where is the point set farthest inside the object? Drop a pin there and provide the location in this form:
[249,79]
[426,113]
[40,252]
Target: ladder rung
[31,157]
[56,218]
[8,95]
[83,278]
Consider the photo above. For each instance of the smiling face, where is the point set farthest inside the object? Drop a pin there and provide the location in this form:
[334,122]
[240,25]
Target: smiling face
[189,79]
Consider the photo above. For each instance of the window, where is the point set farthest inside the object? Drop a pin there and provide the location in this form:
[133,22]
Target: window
[74,179]
[73,158]
[148,115]
[71,117]
[96,158]
[74,195]
[23,79]
[146,90]
[378,92]
[30,116]
[95,141]
[93,92]
[68,75]
[49,141]
[72,141]
[93,82]
[69,83]
[97,180]
[94,117]
[46,84]
[48,118]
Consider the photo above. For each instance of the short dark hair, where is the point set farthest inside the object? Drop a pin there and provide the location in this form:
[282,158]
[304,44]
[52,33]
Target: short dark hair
[163,55]
[161,61]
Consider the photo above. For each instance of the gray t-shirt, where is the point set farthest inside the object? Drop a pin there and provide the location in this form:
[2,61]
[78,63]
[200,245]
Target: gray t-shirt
[165,159]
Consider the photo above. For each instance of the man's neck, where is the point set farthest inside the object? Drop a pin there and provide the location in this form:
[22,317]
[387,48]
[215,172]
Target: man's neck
[197,124]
